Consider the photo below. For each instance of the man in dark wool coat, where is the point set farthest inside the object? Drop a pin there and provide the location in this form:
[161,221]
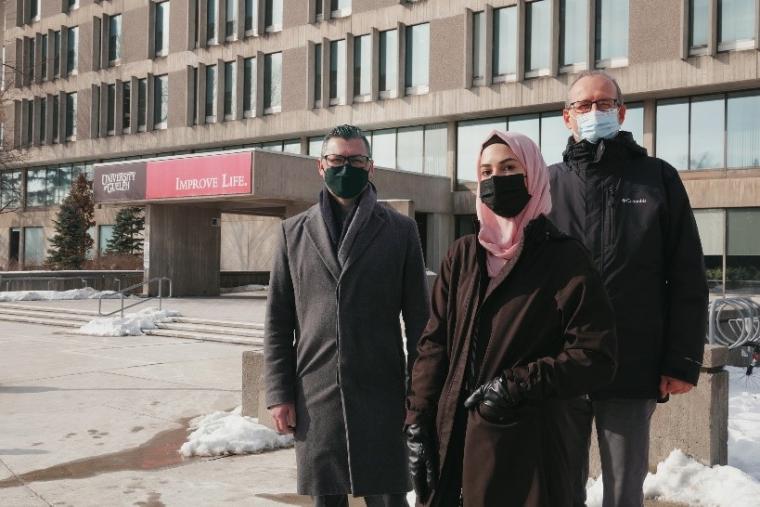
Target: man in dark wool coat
[334,359]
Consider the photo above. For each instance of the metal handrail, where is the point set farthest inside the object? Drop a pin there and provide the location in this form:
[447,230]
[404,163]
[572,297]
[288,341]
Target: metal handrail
[159,279]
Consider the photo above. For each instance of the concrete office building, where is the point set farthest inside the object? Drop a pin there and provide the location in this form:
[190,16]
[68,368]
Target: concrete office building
[109,81]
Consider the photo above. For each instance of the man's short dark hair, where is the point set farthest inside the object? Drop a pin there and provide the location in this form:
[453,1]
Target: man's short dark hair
[589,73]
[347,132]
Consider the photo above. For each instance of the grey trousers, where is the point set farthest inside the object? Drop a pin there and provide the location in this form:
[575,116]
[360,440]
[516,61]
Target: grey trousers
[622,427]
[371,501]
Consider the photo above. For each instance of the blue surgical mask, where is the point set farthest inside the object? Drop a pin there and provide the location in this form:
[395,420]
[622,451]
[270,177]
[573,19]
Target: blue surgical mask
[596,125]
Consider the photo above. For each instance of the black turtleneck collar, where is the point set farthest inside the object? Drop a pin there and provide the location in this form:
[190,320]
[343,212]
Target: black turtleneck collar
[619,147]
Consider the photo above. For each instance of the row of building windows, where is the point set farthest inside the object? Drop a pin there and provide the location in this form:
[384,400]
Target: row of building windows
[735,25]
[35,250]
[42,120]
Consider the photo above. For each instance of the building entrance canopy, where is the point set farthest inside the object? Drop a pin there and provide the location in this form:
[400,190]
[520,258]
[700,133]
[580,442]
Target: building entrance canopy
[253,181]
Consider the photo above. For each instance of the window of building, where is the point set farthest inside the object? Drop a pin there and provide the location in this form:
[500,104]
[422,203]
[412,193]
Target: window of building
[111,112]
[105,233]
[743,129]
[272,146]
[291,146]
[34,247]
[698,26]
[340,8]
[57,53]
[315,146]
[388,63]
[114,39]
[29,64]
[478,47]
[384,147]
[273,15]
[249,87]
[573,38]
[72,50]
[436,149]
[362,66]
[43,120]
[538,26]
[554,136]
[34,9]
[672,133]
[229,89]
[142,104]
[210,21]
[29,115]
[43,56]
[72,4]
[230,19]
[634,121]
[71,116]
[504,43]
[126,101]
[55,118]
[706,133]
[611,33]
[410,149]
[318,75]
[10,189]
[338,72]
[162,29]
[736,24]
[272,82]
[470,134]
[160,101]
[250,17]
[743,250]
[417,58]
[36,191]
[210,94]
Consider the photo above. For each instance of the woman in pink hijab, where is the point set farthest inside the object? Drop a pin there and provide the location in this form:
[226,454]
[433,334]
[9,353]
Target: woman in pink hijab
[520,327]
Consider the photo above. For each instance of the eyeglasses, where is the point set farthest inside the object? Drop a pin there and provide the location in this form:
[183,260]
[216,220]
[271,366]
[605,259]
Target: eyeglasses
[354,160]
[584,106]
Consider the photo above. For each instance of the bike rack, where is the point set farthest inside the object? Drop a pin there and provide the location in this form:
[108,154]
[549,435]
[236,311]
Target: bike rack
[121,293]
[744,327]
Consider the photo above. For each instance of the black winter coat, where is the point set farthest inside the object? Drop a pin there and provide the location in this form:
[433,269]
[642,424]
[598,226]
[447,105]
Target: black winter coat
[632,213]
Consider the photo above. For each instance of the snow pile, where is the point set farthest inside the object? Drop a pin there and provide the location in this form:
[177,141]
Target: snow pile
[244,288]
[682,479]
[131,325]
[223,433]
[54,295]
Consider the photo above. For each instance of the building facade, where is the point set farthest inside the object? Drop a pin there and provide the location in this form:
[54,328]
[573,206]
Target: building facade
[97,81]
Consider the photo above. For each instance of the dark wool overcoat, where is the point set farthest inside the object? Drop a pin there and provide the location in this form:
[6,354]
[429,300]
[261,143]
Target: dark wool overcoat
[333,345]
[549,327]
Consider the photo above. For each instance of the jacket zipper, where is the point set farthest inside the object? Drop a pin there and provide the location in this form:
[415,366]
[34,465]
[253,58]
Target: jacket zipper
[608,221]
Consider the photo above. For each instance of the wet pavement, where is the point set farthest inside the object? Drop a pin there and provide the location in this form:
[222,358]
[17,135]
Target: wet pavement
[98,421]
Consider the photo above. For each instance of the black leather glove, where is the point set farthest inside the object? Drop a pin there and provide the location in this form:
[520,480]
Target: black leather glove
[423,460]
[492,399]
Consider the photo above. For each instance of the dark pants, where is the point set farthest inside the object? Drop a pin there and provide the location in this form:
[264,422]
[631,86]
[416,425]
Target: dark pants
[622,427]
[371,501]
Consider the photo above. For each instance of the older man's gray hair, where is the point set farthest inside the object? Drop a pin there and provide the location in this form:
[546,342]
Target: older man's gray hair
[346,132]
[590,73]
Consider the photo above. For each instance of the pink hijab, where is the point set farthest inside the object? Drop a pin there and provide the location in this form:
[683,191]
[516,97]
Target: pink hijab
[503,237]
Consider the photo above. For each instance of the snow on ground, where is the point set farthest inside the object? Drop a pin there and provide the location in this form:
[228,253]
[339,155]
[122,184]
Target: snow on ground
[132,324]
[50,295]
[223,433]
[681,479]
[244,288]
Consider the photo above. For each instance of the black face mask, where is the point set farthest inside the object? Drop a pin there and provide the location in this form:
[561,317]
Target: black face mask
[346,181]
[507,196]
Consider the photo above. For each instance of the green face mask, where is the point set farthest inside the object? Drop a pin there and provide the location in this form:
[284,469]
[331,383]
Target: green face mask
[346,181]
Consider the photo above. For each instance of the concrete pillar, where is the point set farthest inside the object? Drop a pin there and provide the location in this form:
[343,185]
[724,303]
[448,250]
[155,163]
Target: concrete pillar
[440,234]
[696,422]
[253,367]
[183,243]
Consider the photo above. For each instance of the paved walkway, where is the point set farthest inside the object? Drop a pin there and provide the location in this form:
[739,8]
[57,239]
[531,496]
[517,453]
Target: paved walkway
[90,421]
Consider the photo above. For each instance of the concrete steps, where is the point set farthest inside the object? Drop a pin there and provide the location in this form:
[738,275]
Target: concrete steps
[188,328]
[256,343]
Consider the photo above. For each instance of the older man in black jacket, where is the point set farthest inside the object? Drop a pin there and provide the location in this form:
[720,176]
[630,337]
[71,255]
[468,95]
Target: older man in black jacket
[632,213]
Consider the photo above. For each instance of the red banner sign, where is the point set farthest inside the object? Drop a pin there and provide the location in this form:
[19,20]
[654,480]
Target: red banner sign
[199,176]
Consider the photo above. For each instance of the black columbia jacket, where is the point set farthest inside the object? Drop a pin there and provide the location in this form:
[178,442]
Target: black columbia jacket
[632,213]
